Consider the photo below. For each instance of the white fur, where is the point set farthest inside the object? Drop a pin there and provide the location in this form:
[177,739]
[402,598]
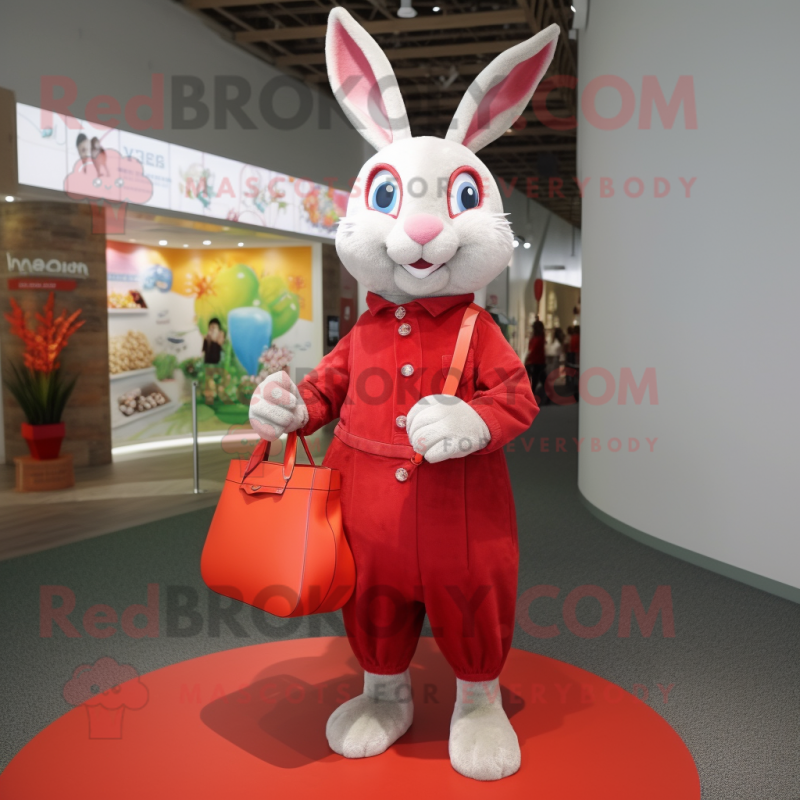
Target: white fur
[483,745]
[369,724]
[276,407]
[441,426]
[365,113]
[473,247]
[495,123]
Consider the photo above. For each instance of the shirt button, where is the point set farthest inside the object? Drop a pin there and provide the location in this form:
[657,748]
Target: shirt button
[401,474]
[404,329]
[406,370]
[401,421]
[400,312]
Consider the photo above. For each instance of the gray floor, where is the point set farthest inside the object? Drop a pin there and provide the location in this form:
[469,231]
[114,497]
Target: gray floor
[733,663]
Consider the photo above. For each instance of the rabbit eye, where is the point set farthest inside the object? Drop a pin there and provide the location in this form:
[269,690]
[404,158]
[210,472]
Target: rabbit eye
[465,193]
[384,193]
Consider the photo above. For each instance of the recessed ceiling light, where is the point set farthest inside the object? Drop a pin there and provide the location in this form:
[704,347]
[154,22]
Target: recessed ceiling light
[9,198]
[241,244]
[163,242]
[206,241]
[131,240]
[436,9]
[186,245]
[516,242]
[573,9]
[527,245]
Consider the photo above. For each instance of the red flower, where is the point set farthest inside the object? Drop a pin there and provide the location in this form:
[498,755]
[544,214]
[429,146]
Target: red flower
[43,345]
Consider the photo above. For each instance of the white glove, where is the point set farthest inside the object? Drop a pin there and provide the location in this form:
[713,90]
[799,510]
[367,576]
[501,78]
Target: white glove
[276,407]
[441,426]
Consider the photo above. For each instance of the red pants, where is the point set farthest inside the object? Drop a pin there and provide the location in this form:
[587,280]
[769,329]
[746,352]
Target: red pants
[444,543]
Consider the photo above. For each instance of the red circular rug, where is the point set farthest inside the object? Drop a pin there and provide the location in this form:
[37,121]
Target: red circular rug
[250,722]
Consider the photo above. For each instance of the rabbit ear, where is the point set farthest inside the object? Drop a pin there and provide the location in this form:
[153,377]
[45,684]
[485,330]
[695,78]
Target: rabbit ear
[500,93]
[363,82]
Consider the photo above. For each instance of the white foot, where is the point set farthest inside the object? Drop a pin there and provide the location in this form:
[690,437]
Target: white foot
[369,724]
[483,745]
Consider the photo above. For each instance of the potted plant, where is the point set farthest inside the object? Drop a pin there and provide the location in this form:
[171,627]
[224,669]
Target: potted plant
[37,384]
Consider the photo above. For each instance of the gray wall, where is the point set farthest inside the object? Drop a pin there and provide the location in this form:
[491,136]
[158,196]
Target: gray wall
[687,285]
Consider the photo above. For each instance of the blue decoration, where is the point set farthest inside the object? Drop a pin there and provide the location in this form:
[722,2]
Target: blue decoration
[250,331]
[158,277]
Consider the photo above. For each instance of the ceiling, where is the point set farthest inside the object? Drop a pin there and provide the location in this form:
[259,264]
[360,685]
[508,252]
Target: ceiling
[435,55]
[152,229]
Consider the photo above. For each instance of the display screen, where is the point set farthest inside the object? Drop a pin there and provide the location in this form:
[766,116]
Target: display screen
[95,162]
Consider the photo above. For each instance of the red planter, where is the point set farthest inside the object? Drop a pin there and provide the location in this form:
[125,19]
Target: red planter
[44,441]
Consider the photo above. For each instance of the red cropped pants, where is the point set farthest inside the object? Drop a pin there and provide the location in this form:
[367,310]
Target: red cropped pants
[444,543]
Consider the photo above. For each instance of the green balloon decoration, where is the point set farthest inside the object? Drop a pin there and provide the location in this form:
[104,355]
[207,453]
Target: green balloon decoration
[283,305]
[238,287]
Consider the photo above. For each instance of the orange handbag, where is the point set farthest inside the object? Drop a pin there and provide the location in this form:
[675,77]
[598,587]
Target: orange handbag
[276,541]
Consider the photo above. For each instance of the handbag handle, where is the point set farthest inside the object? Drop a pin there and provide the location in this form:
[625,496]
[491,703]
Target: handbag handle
[456,369]
[261,453]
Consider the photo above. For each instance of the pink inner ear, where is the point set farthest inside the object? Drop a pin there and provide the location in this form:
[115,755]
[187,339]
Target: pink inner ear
[519,83]
[358,81]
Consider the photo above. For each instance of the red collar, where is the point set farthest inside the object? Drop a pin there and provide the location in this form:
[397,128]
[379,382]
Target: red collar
[433,305]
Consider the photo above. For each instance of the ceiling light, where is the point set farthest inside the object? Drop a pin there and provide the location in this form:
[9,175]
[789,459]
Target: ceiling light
[527,245]
[186,245]
[241,244]
[131,240]
[163,242]
[573,9]
[206,241]
[436,9]
[406,10]
[516,242]
[9,198]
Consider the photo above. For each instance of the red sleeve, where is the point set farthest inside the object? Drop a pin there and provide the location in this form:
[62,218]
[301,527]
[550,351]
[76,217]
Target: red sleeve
[324,389]
[503,396]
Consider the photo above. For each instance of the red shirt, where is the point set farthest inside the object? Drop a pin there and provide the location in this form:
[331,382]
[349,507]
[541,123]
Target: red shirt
[536,351]
[363,380]
[423,532]
[575,344]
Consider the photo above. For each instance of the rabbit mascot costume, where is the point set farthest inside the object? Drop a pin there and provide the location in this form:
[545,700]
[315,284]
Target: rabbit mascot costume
[424,230]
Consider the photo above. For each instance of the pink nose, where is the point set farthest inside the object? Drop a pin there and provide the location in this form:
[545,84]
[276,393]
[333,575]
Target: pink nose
[423,227]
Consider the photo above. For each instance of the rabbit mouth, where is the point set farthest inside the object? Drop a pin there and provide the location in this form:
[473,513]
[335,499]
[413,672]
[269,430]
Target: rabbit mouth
[421,268]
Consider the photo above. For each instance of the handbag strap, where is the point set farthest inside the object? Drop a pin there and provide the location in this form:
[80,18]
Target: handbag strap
[261,453]
[459,358]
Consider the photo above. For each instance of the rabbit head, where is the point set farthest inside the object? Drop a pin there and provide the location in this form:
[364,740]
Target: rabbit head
[425,216]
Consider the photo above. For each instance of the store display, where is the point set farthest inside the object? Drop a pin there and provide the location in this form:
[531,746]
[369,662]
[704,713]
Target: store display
[129,352]
[137,400]
[130,299]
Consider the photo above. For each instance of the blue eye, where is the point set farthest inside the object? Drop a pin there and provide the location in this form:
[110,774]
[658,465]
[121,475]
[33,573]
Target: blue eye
[384,193]
[464,193]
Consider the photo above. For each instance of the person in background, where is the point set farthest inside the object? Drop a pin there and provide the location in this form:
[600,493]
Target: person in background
[554,354]
[84,148]
[535,361]
[555,351]
[575,345]
[212,344]
[569,358]
[99,157]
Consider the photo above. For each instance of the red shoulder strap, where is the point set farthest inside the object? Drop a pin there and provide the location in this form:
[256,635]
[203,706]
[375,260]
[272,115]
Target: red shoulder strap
[459,356]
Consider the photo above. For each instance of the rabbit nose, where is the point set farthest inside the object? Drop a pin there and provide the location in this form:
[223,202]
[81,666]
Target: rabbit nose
[423,227]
